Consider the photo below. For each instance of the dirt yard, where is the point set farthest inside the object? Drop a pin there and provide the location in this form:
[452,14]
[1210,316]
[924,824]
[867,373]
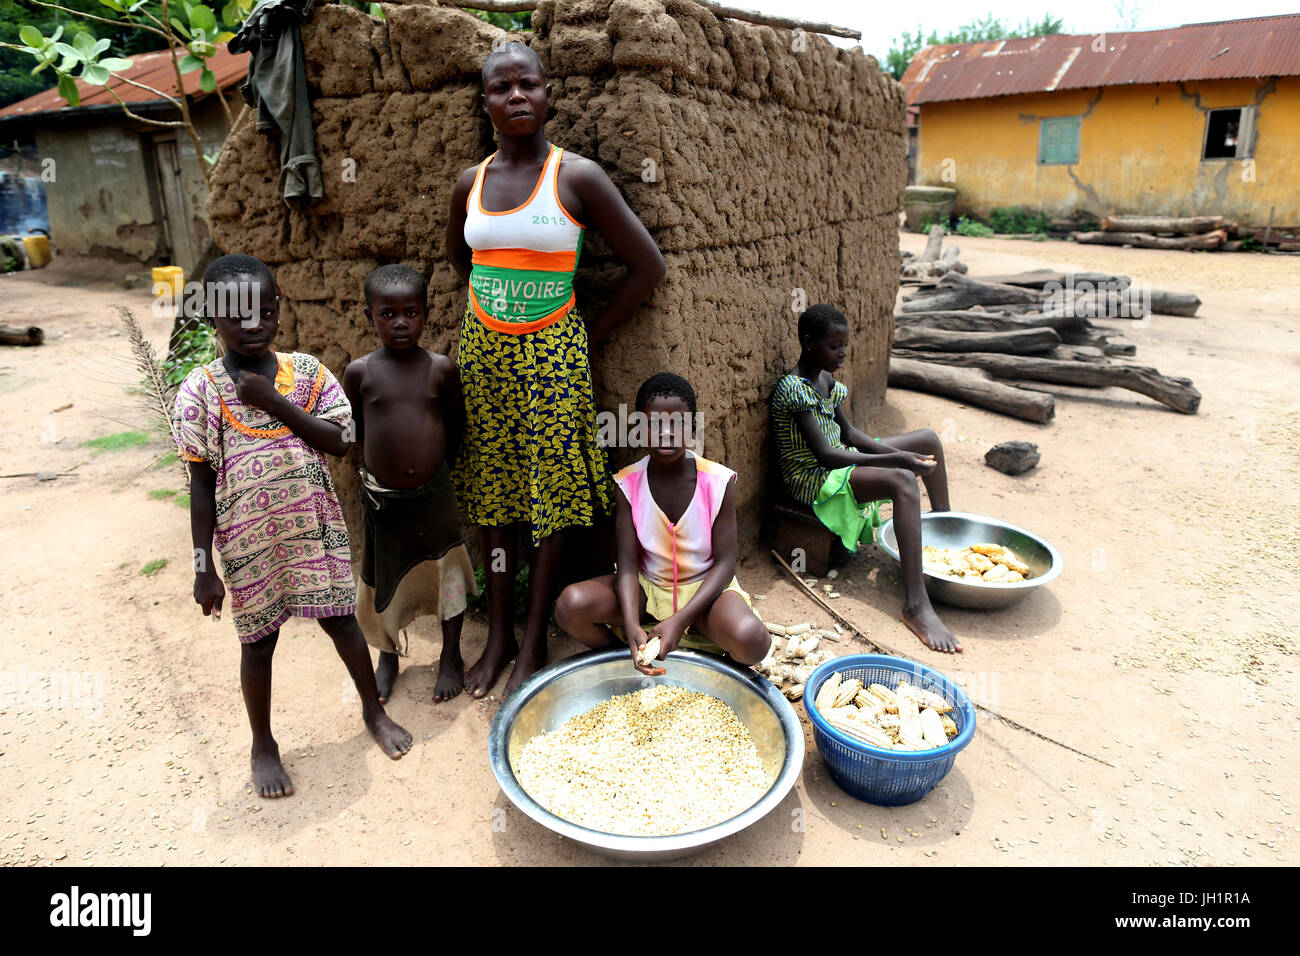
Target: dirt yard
[1167,648]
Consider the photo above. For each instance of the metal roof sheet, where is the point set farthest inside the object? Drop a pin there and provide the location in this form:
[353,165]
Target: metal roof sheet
[151,69]
[1262,46]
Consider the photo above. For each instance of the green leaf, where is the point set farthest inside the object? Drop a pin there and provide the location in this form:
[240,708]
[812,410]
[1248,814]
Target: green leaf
[94,74]
[31,36]
[56,34]
[100,46]
[377,11]
[71,52]
[8,6]
[40,66]
[116,64]
[231,13]
[179,27]
[208,81]
[68,90]
[189,63]
[225,36]
[85,44]
[201,18]
[68,63]
[112,5]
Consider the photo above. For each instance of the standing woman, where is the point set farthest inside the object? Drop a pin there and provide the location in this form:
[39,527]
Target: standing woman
[530,454]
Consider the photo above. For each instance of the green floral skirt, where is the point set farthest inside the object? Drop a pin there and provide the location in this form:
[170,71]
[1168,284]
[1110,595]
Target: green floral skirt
[530,453]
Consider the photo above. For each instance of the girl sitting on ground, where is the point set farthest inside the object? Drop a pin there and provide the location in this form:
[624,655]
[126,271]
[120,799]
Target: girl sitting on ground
[675,526]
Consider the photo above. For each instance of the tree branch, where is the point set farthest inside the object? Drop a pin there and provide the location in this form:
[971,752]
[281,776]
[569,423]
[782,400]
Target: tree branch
[149,89]
[764,19]
[91,16]
[493,6]
[225,106]
[187,121]
[137,117]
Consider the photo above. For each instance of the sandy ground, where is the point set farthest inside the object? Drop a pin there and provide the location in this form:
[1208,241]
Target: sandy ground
[1167,648]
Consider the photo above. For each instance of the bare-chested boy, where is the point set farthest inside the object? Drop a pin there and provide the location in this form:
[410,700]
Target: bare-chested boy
[409,419]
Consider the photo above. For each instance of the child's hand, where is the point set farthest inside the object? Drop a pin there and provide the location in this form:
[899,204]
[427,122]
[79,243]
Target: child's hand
[256,390]
[919,465]
[636,640]
[209,592]
[669,631]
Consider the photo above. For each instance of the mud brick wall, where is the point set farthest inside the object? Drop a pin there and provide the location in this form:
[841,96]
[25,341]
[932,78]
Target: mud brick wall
[762,162]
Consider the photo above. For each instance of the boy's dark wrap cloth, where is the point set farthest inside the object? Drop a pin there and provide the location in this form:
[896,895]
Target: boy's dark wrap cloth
[415,524]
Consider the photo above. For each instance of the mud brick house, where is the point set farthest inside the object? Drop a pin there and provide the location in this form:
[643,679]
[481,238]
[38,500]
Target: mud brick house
[770,172]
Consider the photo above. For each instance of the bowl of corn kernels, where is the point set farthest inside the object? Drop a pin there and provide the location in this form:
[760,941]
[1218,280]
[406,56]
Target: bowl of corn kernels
[646,768]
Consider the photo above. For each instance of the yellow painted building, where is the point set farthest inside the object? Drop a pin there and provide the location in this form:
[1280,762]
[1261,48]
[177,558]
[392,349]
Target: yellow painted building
[1121,124]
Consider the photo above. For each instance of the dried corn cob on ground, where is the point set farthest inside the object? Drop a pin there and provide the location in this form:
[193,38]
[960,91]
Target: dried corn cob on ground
[660,761]
[795,652]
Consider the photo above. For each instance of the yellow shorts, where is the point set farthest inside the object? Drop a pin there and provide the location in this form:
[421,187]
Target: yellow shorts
[659,600]
[659,605]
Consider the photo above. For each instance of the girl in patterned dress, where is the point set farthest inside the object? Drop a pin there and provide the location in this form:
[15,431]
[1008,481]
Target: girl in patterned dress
[530,456]
[840,472]
[255,426]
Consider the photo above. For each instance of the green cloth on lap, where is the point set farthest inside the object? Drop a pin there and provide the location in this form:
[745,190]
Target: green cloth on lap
[838,509]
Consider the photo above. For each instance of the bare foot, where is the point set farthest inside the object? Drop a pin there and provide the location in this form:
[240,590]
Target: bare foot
[924,622]
[451,676]
[526,665]
[269,776]
[484,673]
[386,675]
[394,740]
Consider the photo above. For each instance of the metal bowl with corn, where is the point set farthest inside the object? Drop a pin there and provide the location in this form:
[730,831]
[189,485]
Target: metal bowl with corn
[956,530]
[571,688]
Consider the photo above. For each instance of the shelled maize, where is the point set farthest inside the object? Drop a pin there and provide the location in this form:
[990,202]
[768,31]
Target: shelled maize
[659,761]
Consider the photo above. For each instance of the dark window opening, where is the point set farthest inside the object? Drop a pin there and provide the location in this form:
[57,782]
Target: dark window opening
[1230,133]
[1222,134]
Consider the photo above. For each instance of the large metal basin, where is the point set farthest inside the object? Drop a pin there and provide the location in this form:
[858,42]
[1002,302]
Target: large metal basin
[572,686]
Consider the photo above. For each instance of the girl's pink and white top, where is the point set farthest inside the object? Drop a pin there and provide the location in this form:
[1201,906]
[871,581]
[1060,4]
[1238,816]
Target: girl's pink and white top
[279,527]
[678,553]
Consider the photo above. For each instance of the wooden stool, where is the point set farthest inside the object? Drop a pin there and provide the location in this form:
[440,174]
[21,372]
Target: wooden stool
[798,529]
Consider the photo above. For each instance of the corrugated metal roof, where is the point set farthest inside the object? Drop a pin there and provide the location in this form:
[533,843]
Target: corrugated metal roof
[1263,46]
[151,69]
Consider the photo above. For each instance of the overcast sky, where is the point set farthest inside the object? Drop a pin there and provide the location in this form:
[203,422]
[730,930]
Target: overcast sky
[881,23]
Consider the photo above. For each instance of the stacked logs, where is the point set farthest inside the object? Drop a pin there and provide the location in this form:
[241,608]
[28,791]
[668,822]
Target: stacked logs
[964,337]
[1185,232]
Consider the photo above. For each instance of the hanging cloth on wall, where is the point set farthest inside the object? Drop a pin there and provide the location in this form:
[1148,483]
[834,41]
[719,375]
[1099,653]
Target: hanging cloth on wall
[277,88]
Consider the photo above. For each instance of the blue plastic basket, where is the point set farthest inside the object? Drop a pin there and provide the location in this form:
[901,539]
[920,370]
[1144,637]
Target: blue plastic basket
[889,778]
